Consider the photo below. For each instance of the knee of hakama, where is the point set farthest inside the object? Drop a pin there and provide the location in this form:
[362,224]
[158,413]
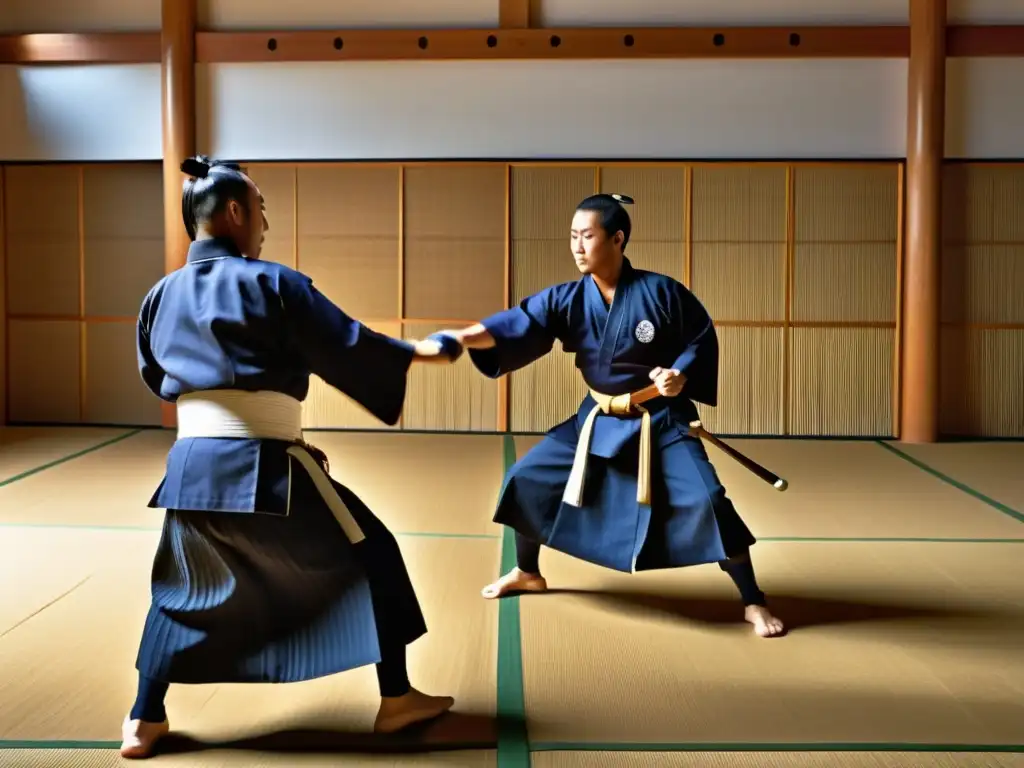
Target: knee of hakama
[532,492]
[699,519]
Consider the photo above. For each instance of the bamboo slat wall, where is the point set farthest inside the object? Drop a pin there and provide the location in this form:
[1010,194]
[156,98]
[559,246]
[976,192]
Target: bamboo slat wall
[798,264]
[983,300]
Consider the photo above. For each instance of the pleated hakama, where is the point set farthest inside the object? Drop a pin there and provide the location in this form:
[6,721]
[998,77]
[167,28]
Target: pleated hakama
[270,598]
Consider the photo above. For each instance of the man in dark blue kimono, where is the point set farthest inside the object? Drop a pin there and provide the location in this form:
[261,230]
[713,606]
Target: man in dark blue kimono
[623,483]
[267,570]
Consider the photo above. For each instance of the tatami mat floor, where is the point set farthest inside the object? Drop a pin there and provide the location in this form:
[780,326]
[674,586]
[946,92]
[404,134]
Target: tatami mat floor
[899,568]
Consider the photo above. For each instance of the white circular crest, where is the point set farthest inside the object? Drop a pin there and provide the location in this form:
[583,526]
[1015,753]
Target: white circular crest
[645,332]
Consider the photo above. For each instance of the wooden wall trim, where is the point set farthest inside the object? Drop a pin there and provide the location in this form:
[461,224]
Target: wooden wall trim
[88,48]
[574,43]
[505,383]
[83,349]
[787,292]
[897,352]
[511,42]
[984,41]
[5,373]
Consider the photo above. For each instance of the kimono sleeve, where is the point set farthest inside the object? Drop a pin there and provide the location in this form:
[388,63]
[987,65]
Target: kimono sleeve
[523,334]
[369,367]
[698,356]
[149,369]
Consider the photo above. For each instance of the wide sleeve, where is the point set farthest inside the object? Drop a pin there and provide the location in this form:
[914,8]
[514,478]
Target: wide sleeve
[368,366]
[152,374]
[522,334]
[698,357]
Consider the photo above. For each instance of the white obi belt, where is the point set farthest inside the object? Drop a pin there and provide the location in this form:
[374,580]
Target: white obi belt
[233,413]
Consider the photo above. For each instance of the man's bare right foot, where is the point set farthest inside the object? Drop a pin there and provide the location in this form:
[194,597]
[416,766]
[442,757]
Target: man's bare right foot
[515,581]
[398,712]
[138,737]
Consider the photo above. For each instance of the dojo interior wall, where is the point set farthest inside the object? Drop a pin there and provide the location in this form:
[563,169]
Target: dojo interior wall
[983,300]
[798,262]
[83,243]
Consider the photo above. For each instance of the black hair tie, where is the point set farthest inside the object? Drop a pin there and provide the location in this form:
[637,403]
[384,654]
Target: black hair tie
[195,167]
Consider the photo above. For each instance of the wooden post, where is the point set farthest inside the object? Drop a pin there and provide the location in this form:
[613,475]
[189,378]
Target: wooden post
[514,14]
[926,104]
[177,70]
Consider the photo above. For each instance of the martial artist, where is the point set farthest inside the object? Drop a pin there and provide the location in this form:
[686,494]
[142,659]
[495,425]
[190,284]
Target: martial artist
[622,483]
[267,570]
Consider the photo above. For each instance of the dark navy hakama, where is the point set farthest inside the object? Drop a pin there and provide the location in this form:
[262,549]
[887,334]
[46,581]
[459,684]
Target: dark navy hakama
[653,322]
[269,598]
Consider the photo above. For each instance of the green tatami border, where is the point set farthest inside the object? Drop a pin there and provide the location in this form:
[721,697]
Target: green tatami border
[813,746]
[1008,511]
[69,457]
[513,741]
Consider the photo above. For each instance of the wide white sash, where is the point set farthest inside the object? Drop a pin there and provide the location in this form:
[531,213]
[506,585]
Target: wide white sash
[234,413]
[231,413]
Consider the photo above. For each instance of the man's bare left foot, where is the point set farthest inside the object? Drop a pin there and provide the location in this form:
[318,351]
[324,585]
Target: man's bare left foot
[764,623]
[513,582]
[398,712]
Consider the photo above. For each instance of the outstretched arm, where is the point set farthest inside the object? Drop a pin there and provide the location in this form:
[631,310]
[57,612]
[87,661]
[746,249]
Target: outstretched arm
[475,337]
[368,366]
[514,338]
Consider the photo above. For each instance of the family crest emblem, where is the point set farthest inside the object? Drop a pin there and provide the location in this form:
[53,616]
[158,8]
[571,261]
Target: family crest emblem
[644,332]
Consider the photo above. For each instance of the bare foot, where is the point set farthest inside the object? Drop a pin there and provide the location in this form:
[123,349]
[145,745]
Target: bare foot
[515,581]
[138,737]
[398,712]
[764,623]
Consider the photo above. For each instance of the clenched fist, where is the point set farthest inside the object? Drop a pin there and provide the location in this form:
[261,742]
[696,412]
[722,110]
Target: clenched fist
[669,381]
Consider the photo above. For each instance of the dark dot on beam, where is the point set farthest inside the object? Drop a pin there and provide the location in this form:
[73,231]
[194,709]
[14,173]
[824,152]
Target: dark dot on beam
[718,39]
[271,44]
[338,43]
[555,41]
[423,43]
[491,41]
[794,39]
[628,40]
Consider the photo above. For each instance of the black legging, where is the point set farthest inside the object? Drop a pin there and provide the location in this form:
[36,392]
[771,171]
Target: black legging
[739,568]
[392,678]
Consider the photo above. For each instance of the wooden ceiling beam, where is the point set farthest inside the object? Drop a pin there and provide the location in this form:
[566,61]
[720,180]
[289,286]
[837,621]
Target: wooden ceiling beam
[86,48]
[585,43]
[511,43]
[988,41]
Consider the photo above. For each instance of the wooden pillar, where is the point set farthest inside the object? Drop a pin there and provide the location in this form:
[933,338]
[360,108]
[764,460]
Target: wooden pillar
[515,14]
[926,104]
[177,75]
